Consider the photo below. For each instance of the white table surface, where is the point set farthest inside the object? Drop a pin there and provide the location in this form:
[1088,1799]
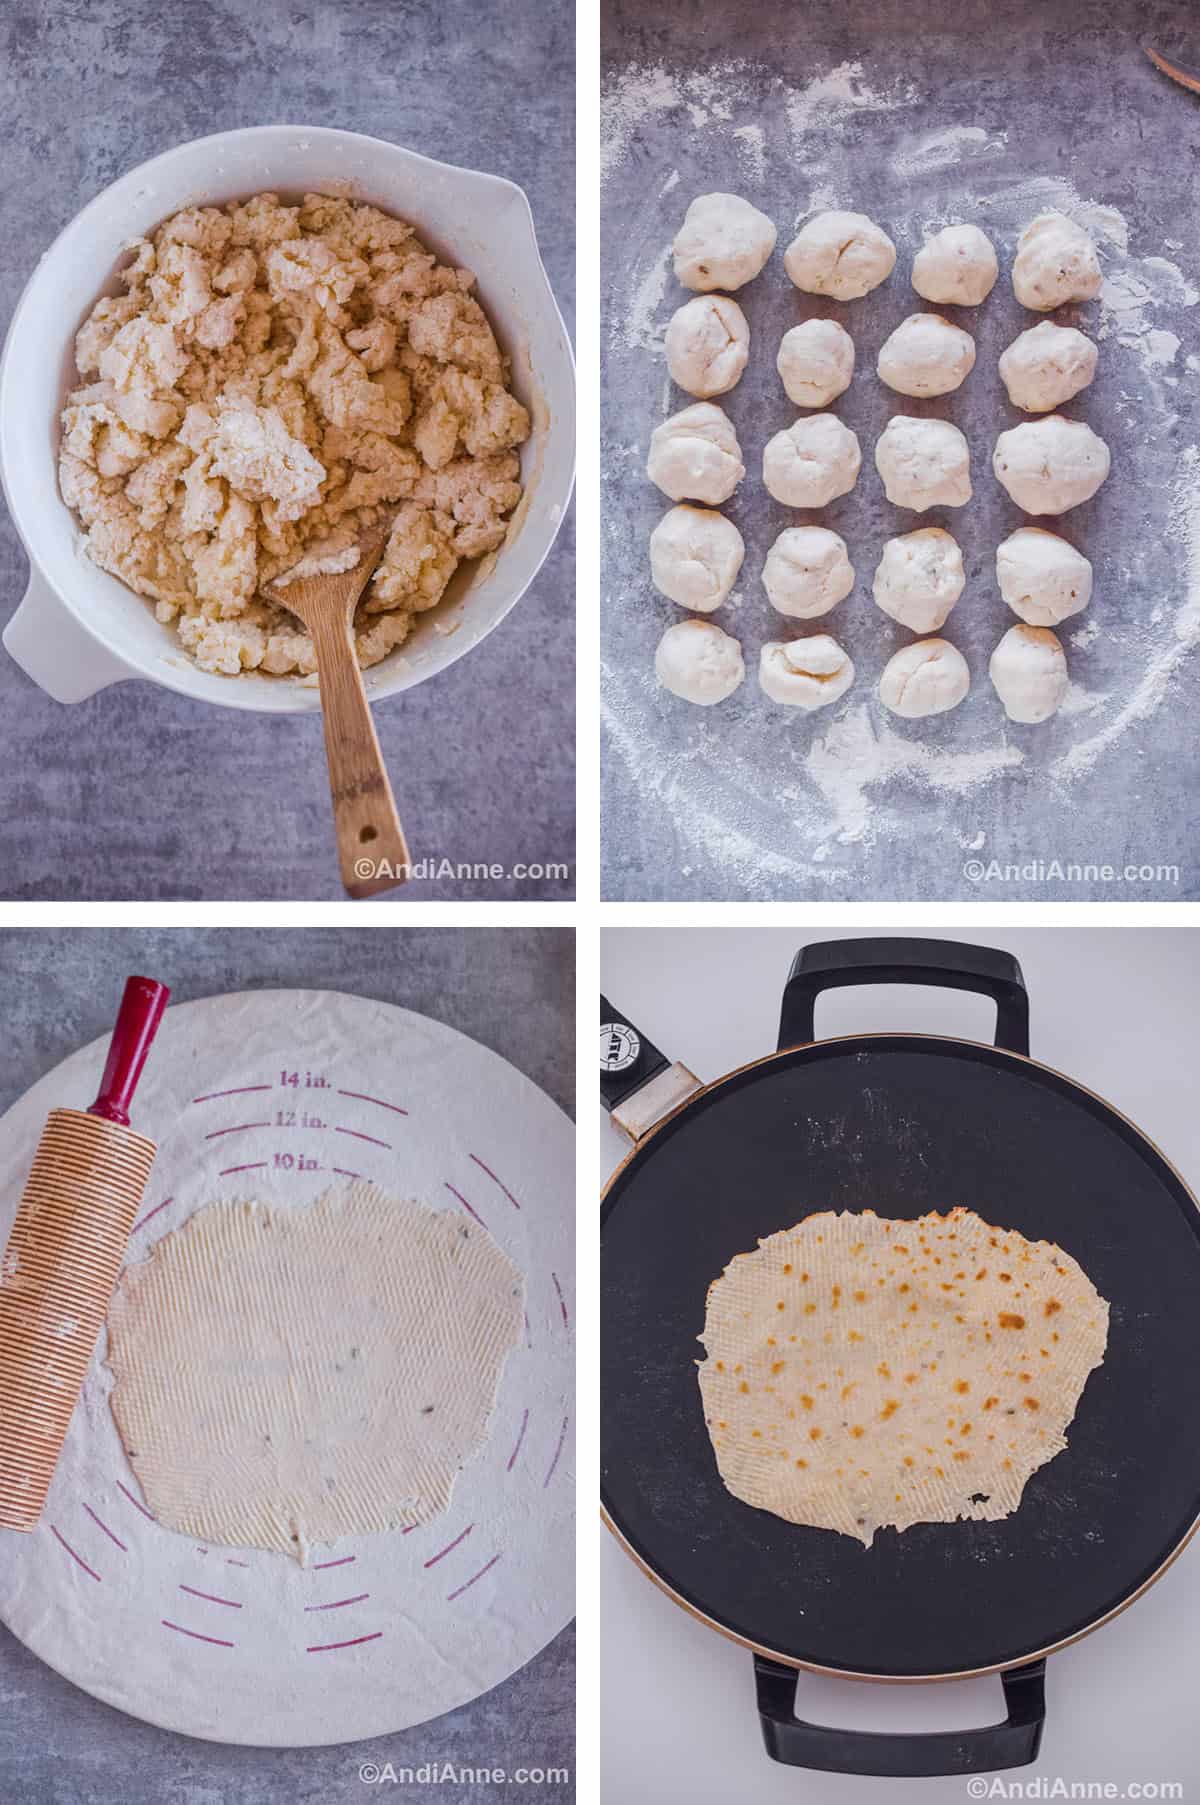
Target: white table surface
[1116,1009]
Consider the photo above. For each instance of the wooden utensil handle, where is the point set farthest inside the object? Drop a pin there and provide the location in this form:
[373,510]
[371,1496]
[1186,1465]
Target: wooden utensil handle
[372,850]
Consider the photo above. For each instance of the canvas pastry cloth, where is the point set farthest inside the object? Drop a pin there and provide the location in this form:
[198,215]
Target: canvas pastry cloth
[284,1377]
[862,1373]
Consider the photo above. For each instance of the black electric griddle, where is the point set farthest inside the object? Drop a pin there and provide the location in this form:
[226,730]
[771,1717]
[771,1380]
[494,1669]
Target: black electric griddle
[900,1124]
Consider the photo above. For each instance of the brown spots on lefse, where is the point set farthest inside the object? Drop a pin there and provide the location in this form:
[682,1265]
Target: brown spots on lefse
[1031,1404]
[777,1367]
[857,1431]
[962,1386]
[1009,1320]
[1052,1307]
[837,1296]
[814,1434]
[889,1409]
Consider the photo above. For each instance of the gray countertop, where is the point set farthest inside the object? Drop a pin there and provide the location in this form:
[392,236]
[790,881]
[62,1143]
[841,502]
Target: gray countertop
[58,1746]
[141,793]
[919,115]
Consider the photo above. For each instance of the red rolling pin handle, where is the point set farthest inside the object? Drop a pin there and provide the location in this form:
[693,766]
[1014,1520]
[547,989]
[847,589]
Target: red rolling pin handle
[137,1023]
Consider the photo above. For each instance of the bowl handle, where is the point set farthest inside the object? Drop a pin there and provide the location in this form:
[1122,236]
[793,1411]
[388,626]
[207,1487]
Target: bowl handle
[53,648]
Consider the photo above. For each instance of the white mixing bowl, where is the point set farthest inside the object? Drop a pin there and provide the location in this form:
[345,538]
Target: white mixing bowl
[78,629]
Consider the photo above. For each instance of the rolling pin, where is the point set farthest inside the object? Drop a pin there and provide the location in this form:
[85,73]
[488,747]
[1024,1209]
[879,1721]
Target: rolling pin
[63,1256]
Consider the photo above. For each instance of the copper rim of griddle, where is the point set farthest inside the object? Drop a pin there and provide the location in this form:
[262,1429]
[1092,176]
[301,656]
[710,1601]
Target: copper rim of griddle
[842,1673]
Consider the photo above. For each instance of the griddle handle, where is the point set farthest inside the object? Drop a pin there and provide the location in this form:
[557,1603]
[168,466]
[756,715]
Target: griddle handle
[903,1755]
[949,964]
[627,1058]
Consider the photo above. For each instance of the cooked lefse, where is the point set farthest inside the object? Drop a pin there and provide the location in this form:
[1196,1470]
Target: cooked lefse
[863,1373]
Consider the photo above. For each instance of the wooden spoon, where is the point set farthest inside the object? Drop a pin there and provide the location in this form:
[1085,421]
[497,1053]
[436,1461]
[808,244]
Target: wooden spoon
[372,850]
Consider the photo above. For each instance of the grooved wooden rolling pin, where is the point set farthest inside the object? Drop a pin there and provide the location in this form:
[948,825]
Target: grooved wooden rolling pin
[63,1256]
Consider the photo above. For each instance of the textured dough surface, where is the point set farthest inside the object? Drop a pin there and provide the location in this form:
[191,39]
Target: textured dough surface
[288,1377]
[863,1373]
[274,380]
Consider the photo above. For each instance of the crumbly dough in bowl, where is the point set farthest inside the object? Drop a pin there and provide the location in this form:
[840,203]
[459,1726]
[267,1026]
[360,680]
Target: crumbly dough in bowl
[275,379]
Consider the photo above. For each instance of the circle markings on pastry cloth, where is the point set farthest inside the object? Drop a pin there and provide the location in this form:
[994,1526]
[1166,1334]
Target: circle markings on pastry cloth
[492,1572]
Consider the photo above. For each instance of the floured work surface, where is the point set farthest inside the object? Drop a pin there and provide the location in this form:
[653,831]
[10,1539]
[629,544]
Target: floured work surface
[864,1373]
[938,118]
[286,1378]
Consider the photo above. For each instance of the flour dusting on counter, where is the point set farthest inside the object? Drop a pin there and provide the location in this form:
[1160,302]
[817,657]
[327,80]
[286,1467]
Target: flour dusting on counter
[771,804]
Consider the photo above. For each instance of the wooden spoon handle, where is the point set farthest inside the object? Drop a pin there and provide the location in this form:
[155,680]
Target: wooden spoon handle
[372,850]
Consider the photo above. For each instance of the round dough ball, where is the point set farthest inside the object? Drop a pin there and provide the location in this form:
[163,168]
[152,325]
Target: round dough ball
[1050,465]
[957,267]
[695,455]
[807,572]
[1041,577]
[919,579]
[924,464]
[695,556]
[1056,261]
[708,343]
[812,462]
[722,243]
[926,355]
[805,673]
[698,662]
[927,677]
[816,362]
[843,255]
[1046,365]
[1029,673]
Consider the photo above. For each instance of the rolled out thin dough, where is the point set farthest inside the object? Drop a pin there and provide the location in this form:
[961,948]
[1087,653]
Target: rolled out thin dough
[865,1373]
[287,1377]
